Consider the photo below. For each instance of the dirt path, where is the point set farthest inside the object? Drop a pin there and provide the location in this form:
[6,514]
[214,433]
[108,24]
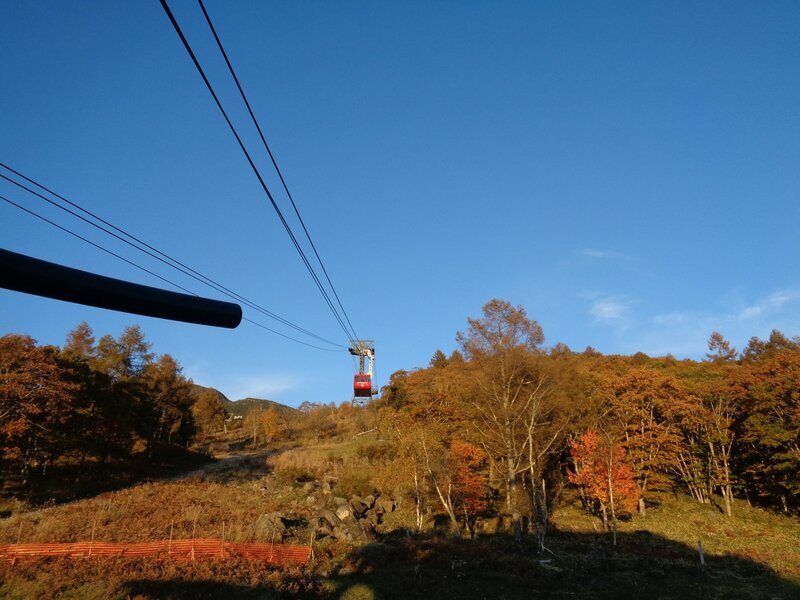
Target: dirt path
[224,465]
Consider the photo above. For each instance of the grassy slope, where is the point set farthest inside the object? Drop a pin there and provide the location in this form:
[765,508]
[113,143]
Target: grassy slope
[753,555]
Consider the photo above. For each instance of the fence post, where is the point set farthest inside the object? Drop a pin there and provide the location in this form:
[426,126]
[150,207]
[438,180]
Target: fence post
[16,549]
[194,527]
[91,540]
[272,548]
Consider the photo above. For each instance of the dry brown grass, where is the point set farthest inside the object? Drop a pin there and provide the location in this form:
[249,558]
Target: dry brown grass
[193,508]
[752,533]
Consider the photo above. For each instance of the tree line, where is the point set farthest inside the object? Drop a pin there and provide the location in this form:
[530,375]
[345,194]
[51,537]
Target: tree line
[90,403]
[504,424]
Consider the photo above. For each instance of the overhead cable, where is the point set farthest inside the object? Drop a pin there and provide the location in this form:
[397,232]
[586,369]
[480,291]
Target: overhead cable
[255,170]
[150,250]
[148,271]
[274,162]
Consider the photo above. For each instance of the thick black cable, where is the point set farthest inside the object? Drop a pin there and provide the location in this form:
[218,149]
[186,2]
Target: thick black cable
[257,173]
[274,162]
[148,271]
[98,246]
[179,266]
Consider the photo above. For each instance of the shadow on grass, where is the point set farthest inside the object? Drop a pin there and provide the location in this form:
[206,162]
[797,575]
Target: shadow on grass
[65,482]
[577,566]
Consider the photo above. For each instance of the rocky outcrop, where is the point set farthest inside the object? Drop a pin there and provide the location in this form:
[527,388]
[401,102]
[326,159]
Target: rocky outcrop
[348,520]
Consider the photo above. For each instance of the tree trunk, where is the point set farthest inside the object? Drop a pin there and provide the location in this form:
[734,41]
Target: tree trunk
[611,501]
[417,499]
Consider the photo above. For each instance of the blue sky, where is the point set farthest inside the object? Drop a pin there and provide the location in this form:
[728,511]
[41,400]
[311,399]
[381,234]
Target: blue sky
[628,172]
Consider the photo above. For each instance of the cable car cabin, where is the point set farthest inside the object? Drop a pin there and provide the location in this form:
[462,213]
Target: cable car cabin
[362,386]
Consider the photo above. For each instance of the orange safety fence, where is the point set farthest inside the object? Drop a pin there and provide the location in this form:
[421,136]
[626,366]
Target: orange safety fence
[196,549]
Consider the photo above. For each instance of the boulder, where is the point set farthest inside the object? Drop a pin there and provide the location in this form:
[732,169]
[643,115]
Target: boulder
[270,526]
[385,504]
[359,506]
[331,518]
[343,512]
[324,531]
[369,500]
[363,532]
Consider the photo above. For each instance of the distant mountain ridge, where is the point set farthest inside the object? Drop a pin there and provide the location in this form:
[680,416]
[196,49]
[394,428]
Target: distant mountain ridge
[244,406]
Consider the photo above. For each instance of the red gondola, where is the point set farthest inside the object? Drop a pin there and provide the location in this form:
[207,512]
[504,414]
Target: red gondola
[362,386]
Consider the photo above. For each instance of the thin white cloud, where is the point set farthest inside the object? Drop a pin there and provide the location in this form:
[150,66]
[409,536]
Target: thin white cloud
[772,303]
[262,386]
[674,318]
[686,333]
[601,254]
[610,310]
[766,306]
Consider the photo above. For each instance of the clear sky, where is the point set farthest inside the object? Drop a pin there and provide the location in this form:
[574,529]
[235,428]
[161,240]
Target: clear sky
[628,172]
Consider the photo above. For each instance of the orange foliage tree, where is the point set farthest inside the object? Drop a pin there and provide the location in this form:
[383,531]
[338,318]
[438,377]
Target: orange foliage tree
[601,470]
[470,479]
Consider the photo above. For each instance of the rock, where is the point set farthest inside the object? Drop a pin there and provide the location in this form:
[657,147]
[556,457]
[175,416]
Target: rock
[343,512]
[342,534]
[331,518]
[270,526]
[311,500]
[326,487]
[339,501]
[369,500]
[359,506]
[385,504]
[309,487]
[363,532]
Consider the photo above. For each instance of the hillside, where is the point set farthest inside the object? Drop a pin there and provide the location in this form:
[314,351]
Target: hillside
[244,406]
[749,556]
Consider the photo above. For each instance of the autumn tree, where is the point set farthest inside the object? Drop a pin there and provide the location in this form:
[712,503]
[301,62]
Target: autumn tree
[770,428]
[470,480]
[37,404]
[720,349]
[500,345]
[272,425]
[209,412]
[647,405]
[80,342]
[169,394]
[601,470]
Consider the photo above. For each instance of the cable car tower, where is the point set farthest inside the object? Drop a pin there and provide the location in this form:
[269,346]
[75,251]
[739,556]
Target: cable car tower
[362,382]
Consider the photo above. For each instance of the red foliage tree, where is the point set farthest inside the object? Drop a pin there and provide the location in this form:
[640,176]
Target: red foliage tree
[470,478]
[601,471]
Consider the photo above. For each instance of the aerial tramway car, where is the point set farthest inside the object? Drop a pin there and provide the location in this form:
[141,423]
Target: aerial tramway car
[362,381]
[362,386]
